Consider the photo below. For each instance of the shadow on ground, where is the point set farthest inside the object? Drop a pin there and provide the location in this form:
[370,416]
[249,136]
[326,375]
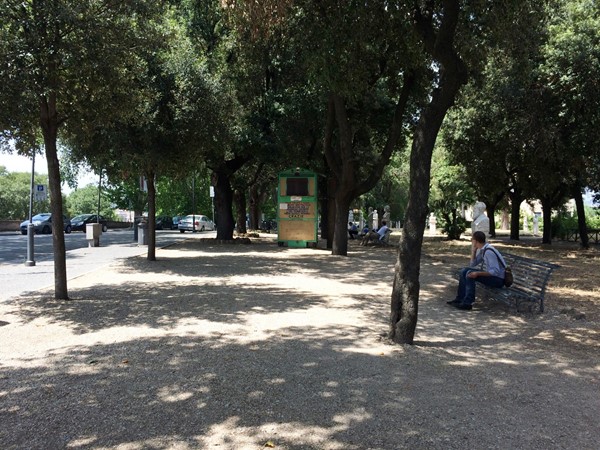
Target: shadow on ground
[244,346]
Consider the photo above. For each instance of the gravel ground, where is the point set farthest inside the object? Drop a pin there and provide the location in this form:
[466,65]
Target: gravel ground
[257,346]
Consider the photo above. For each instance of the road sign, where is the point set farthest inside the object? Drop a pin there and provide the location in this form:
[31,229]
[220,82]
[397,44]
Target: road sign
[212,191]
[41,192]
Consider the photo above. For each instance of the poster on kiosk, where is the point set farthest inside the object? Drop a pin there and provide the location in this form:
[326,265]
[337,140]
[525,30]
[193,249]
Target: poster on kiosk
[297,218]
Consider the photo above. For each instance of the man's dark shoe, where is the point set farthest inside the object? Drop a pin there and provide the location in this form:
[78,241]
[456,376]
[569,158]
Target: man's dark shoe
[464,306]
[454,302]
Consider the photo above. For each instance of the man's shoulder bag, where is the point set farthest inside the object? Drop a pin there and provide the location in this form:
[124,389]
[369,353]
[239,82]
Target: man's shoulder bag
[508,275]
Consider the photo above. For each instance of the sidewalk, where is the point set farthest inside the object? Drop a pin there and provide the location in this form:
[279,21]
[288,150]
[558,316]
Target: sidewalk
[18,279]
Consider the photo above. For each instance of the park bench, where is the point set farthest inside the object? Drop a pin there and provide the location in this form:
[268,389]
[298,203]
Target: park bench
[384,241]
[531,277]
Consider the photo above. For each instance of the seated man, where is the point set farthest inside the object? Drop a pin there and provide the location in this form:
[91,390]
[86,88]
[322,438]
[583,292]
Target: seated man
[493,275]
[375,235]
[352,230]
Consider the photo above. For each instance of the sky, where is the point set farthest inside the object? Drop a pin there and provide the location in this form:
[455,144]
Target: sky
[18,163]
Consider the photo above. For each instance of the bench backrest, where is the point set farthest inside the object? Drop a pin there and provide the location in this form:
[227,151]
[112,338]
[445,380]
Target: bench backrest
[386,237]
[530,275]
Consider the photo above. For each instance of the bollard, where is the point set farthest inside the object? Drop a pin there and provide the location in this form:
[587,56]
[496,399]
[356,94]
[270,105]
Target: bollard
[142,233]
[92,234]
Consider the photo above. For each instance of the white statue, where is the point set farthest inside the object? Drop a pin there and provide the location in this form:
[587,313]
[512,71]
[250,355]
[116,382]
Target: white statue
[480,220]
[432,224]
[370,217]
[536,224]
[386,214]
[375,220]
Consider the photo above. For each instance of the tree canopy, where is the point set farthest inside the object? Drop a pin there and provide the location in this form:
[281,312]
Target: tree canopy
[234,91]
[67,66]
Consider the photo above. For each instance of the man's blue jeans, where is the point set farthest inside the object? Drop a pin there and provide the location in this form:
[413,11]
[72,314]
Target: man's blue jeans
[466,286]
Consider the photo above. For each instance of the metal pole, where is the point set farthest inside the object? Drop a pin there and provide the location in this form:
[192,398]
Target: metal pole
[99,189]
[30,228]
[194,203]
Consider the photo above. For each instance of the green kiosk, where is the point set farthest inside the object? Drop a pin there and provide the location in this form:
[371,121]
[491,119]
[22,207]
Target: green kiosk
[297,218]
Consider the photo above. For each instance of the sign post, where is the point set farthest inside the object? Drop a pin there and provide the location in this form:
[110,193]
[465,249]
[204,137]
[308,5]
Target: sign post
[30,228]
[41,192]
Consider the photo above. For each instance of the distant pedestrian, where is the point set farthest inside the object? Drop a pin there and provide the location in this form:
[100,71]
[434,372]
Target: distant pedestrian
[352,230]
[375,235]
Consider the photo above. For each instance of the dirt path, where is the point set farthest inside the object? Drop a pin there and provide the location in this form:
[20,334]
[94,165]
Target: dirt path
[252,346]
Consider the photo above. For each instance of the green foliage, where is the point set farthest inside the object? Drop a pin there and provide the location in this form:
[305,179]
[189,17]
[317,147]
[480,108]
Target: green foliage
[127,195]
[529,120]
[176,197]
[79,56]
[449,192]
[569,73]
[15,188]
[392,189]
[563,222]
[269,207]
[85,201]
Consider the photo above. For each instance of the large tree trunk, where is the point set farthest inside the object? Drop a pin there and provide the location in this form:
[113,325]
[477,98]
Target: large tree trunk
[515,211]
[220,179]
[254,205]
[223,205]
[583,231]
[49,124]
[547,221]
[330,218]
[340,236]
[239,197]
[453,74]
[344,164]
[405,291]
[151,225]
[491,210]
[343,161]
[323,189]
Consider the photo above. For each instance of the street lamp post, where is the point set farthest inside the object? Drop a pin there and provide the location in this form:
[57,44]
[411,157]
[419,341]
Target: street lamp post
[30,228]
[99,192]
[194,202]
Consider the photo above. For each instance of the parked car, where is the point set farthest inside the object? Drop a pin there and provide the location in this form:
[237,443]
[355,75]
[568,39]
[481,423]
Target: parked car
[176,220]
[79,222]
[202,223]
[164,223]
[42,223]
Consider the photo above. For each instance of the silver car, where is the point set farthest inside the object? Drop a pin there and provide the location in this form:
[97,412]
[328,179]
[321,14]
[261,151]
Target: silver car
[42,223]
[196,222]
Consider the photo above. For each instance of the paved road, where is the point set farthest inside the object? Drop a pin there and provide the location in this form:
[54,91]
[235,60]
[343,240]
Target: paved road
[13,246]
[18,279]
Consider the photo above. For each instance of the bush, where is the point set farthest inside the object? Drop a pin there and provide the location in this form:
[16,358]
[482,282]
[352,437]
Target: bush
[563,222]
[592,216]
[454,230]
